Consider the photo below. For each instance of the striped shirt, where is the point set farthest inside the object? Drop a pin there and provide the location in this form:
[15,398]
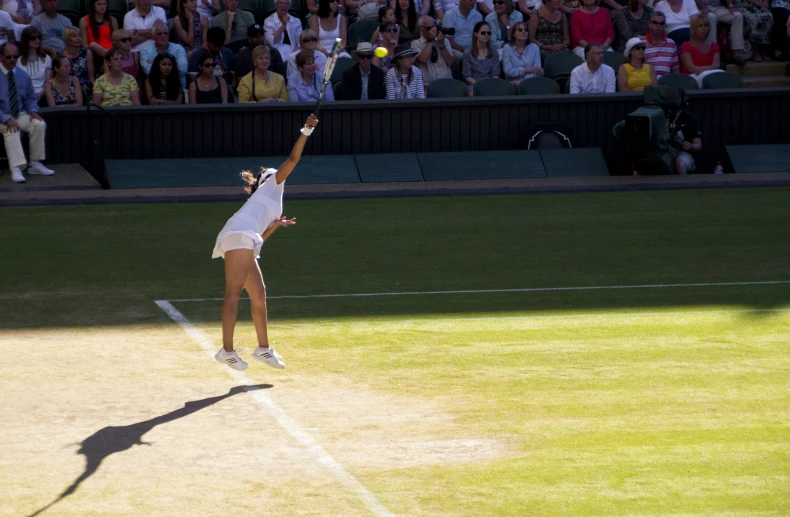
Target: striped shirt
[399,88]
[663,57]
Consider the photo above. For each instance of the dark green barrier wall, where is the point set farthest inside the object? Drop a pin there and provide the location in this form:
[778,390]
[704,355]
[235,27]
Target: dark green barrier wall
[747,116]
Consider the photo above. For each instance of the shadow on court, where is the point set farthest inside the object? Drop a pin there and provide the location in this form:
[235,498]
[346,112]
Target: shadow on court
[114,439]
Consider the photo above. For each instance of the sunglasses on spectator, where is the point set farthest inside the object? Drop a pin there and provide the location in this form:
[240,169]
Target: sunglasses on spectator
[657,23]
[639,47]
[390,30]
[126,40]
[15,56]
[365,56]
[498,2]
[310,40]
[485,33]
[427,28]
[209,65]
[521,29]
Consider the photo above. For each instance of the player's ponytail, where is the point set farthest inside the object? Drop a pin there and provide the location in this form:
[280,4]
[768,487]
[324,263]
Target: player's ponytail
[252,181]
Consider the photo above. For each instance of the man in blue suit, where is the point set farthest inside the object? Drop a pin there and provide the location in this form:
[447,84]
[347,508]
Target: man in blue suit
[19,112]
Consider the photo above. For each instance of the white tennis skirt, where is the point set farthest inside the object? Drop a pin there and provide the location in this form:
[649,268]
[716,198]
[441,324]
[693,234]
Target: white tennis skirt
[238,241]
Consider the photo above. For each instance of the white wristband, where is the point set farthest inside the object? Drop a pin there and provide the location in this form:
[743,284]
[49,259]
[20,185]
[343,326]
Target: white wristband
[307,131]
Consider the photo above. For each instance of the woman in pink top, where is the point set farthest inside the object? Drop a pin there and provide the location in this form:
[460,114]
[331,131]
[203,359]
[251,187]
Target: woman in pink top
[591,24]
[698,57]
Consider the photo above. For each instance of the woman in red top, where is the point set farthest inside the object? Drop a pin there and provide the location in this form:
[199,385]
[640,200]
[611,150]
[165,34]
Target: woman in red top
[97,27]
[591,24]
[698,56]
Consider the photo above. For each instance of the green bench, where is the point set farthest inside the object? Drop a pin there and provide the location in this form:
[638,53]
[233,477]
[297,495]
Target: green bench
[747,159]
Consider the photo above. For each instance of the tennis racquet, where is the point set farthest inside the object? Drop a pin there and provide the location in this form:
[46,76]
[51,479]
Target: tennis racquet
[328,69]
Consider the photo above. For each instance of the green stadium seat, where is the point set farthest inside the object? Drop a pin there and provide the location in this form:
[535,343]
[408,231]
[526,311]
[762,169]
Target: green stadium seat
[481,165]
[683,81]
[493,87]
[721,80]
[447,88]
[118,8]
[538,86]
[577,162]
[341,65]
[613,59]
[72,9]
[560,64]
[361,30]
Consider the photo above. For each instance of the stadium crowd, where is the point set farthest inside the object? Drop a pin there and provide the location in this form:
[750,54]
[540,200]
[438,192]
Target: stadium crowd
[205,51]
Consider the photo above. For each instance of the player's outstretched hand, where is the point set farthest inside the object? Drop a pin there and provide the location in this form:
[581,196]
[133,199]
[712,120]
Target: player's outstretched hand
[311,121]
[282,221]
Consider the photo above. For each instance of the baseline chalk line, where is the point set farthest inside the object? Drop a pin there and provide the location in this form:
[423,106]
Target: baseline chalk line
[290,425]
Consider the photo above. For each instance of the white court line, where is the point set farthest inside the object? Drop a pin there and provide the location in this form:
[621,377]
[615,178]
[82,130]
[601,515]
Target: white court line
[286,422]
[521,290]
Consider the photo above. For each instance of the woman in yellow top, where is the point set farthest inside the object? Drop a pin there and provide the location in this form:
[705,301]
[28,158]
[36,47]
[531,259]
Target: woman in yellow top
[115,88]
[261,85]
[635,73]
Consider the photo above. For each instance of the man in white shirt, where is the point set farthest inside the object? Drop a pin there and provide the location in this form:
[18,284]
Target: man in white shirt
[593,76]
[463,20]
[282,30]
[140,22]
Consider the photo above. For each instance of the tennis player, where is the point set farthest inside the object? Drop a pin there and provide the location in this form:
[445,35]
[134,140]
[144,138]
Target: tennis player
[239,243]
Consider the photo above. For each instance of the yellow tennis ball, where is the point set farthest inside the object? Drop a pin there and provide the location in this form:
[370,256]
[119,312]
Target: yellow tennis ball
[380,52]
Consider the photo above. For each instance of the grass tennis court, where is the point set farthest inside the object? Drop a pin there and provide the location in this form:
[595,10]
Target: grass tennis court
[663,391]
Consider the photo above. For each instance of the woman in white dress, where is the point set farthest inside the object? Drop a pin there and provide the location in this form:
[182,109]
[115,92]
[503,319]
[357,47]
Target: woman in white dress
[329,25]
[240,242]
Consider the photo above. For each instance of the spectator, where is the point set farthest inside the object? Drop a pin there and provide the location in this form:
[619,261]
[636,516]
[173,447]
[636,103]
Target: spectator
[262,85]
[96,29]
[81,58]
[209,8]
[242,62]
[163,87]
[480,61]
[406,16]
[191,26]
[716,12]
[19,111]
[529,7]
[21,13]
[521,58]
[684,128]
[635,73]
[434,53]
[7,34]
[661,53]
[443,7]
[140,22]
[463,19]
[63,90]
[593,76]
[233,21]
[130,61]
[780,36]
[549,29]
[501,20]
[208,88]
[282,30]
[329,25]
[223,58]
[115,87]
[161,45]
[305,84]
[364,80]
[34,61]
[404,80]
[51,25]
[631,23]
[386,14]
[678,15]
[389,40]
[591,24]
[699,57]
[757,25]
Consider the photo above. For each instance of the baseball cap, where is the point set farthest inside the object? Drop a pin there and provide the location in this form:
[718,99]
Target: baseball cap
[254,30]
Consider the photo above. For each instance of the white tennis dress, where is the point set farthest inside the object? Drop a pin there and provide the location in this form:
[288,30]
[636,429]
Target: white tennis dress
[244,229]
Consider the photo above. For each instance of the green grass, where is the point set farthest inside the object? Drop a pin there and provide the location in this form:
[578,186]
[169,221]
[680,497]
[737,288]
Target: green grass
[610,402]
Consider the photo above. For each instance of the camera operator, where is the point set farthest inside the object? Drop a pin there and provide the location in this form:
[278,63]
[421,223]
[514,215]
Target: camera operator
[463,20]
[685,131]
[434,53]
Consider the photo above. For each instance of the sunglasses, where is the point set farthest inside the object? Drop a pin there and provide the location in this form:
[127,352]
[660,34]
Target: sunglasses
[393,31]
[365,56]
[521,29]
[126,40]
[498,2]
[16,56]
[429,27]
[658,23]
[485,33]
[639,47]
[209,65]
[310,40]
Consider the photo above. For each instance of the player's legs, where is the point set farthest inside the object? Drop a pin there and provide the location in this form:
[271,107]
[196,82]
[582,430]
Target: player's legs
[256,288]
[238,265]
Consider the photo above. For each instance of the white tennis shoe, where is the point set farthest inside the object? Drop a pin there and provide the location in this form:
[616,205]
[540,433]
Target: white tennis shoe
[230,359]
[40,169]
[269,356]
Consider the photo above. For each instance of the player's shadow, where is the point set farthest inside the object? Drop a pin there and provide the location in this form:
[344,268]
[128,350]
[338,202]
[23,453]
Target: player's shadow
[114,439]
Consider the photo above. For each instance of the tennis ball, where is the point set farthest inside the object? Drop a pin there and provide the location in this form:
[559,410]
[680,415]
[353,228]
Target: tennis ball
[380,52]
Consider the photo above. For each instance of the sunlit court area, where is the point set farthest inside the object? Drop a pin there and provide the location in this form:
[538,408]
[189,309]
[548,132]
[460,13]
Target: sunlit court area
[592,354]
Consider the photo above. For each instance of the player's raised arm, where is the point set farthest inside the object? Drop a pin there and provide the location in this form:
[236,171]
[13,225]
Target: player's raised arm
[296,153]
